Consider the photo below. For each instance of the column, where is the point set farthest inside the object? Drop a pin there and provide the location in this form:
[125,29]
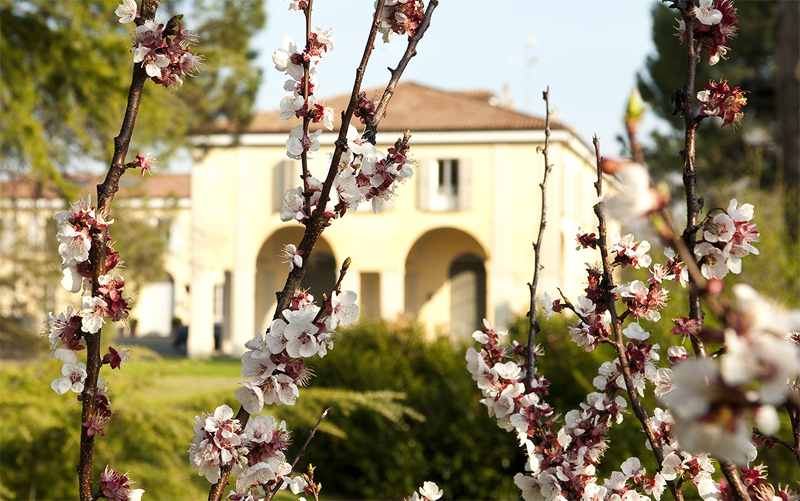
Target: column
[243,314]
[201,327]
[500,281]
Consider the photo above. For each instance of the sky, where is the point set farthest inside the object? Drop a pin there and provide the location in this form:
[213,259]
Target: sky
[587,52]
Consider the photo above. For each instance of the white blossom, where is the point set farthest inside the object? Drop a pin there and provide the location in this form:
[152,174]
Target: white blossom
[127,11]
[93,309]
[73,377]
[343,309]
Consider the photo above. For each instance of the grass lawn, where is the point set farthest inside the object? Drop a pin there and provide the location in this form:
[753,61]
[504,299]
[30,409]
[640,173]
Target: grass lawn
[155,401]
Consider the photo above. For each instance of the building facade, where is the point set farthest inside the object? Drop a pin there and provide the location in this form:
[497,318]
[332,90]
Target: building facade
[453,247]
[30,264]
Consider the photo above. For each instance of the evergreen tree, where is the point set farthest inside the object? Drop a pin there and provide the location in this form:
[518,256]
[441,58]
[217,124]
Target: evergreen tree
[754,152]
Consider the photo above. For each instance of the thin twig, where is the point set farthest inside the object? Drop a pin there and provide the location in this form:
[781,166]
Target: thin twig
[411,51]
[772,438]
[337,287]
[533,325]
[306,119]
[794,419]
[277,486]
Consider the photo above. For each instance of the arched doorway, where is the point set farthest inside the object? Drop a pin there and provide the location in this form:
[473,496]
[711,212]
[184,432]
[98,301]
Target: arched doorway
[271,272]
[445,282]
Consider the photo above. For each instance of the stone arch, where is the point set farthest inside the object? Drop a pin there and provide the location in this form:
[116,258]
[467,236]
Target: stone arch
[271,272]
[445,282]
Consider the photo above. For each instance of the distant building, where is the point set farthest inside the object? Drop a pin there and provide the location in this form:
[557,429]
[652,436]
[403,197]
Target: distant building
[452,248]
[29,249]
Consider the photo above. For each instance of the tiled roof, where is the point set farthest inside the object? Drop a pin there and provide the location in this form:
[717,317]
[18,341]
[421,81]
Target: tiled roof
[420,108]
[159,186]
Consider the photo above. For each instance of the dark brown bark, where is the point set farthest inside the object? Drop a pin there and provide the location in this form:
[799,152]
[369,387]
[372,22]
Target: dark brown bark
[105,195]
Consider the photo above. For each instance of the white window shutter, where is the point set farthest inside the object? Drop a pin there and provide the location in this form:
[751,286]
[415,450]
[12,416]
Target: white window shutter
[464,183]
[424,176]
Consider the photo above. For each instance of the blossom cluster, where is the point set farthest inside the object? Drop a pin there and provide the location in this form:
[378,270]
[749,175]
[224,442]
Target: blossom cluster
[162,50]
[712,401]
[402,17]
[562,460]
[365,175]
[303,83]
[502,384]
[66,330]
[719,100]
[255,454]
[274,362]
[715,22]
[726,238]
[75,243]
[117,486]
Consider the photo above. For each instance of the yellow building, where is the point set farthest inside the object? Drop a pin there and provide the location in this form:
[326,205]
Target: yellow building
[452,248]
[30,263]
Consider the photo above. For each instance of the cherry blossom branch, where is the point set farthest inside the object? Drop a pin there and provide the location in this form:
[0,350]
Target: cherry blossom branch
[306,118]
[318,220]
[772,438]
[616,324]
[105,194]
[533,325]
[684,104]
[411,51]
[271,493]
[317,223]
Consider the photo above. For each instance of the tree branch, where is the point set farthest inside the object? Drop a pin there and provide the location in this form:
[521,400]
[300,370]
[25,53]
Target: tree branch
[533,325]
[300,454]
[616,326]
[105,195]
[317,222]
[411,51]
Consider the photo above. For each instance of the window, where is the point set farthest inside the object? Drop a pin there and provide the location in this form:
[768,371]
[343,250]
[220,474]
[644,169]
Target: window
[444,185]
[448,178]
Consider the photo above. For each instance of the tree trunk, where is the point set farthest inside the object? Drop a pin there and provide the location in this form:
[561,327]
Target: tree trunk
[787,44]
